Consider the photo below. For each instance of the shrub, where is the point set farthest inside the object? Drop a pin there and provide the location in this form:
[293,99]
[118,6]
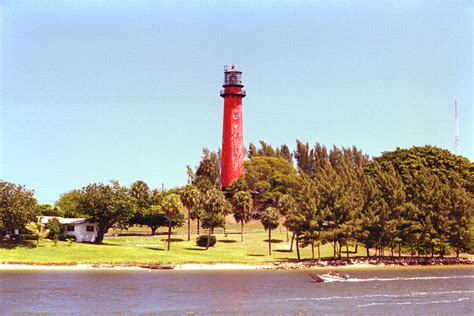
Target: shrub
[201,241]
[55,228]
[66,237]
[25,237]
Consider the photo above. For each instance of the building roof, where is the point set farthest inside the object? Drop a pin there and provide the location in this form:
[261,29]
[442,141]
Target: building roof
[65,220]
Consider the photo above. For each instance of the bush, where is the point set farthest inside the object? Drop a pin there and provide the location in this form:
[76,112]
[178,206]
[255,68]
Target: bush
[55,228]
[201,241]
[25,237]
[66,237]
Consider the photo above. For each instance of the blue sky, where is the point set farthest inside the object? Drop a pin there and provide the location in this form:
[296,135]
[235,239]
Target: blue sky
[127,90]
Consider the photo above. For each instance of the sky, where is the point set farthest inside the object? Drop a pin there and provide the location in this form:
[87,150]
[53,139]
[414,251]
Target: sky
[97,90]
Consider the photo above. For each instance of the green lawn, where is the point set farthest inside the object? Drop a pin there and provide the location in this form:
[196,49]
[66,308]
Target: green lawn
[153,250]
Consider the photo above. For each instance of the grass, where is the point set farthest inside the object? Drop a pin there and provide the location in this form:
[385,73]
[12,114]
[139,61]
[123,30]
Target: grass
[122,250]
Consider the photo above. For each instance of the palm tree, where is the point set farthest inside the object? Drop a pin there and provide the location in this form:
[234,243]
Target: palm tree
[171,206]
[196,214]
[243,205]
[140,190]
[269,220]
[37,228]
[191,198]
[215,207]
[142,198]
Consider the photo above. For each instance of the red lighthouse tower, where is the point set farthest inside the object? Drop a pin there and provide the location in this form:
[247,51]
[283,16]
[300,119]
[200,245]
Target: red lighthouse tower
[232,133]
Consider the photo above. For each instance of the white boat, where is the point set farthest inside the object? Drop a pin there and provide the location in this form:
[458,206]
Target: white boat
[328,277]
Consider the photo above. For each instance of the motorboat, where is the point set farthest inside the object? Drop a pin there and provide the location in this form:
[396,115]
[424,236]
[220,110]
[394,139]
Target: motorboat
[329,277]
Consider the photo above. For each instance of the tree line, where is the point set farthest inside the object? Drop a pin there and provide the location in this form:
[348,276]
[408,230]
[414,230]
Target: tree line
[416,200]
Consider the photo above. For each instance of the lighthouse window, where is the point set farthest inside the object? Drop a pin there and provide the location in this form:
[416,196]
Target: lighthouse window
[236,115]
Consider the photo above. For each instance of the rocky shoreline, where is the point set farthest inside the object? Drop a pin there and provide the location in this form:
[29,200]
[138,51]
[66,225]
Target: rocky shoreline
[151,266]
[376,261]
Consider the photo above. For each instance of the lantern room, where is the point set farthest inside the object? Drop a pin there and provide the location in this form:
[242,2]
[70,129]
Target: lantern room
[232,82]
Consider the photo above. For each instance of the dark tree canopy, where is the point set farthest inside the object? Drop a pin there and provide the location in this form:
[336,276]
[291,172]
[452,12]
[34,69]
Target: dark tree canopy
[49,210]
[268,178]
[210,167]
[68,203]
[55,229]
[111,205]
[141,192]
[17,206]
[441,162]
[266,150]
[419,198]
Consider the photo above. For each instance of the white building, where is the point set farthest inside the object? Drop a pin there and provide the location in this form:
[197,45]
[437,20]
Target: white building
[84,229]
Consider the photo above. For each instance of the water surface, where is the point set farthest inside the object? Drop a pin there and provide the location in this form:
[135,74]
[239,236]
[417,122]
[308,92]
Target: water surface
[408,291]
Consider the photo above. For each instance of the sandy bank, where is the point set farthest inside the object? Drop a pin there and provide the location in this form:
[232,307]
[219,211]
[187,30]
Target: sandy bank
[184,267]
[76,267]
[222,266]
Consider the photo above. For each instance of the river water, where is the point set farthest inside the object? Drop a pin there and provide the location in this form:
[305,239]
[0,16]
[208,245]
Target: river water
[397,291]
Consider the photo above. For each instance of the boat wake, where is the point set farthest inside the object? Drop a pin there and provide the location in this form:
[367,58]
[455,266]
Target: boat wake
[391,296]
[412,278]
[415,303]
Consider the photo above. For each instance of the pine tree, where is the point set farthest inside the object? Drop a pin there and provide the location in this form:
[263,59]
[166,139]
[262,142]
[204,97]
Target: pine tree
[311,225]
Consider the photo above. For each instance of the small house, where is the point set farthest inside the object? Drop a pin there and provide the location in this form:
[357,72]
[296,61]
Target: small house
[83,228]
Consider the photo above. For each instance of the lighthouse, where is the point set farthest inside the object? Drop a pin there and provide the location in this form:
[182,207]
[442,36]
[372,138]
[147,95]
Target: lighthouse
[232,132]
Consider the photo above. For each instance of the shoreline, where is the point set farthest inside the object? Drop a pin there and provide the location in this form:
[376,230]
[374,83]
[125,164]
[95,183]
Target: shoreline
[356,263]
